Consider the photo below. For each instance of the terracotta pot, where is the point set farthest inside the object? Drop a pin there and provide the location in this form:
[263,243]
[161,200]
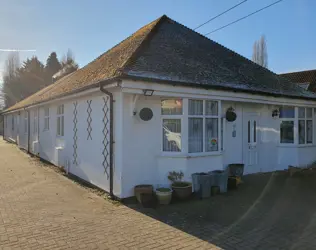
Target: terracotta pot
[142,189]
[182,190]
[164,195]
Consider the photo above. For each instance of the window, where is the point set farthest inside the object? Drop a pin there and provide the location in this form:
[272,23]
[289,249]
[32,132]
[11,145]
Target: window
[171,111]
[305,125]
[46,118]
[12,122]
[60,120]
[203,126]
[287,117]
[25,122]
[35,122]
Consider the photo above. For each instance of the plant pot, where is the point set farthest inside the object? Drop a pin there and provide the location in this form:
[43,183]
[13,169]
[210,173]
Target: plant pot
[164,195]
[142,189]
[182,190]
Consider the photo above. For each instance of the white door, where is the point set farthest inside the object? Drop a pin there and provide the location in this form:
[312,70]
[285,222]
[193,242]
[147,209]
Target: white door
[250,136]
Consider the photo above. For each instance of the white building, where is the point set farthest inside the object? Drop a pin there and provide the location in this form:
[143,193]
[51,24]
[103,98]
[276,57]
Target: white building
[157,102]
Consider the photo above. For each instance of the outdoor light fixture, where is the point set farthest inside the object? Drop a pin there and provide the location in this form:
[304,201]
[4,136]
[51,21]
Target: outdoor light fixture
[148,92]
[275,113]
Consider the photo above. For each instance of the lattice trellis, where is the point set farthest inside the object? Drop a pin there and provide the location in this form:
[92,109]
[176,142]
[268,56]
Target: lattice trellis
[75,121]
[106,140]
[89,119]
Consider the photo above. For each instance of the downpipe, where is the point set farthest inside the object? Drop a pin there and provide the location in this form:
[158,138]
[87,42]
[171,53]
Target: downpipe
[28,131]
[102,84]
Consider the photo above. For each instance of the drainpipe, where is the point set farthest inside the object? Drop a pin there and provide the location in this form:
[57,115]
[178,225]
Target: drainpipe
[102,84]
[28,131]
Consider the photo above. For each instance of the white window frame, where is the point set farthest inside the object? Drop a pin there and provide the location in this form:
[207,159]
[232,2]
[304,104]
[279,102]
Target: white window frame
[60,129]
[25,122]
[185,127]
[305,119]
[204,116]
[46,119]
[12,123]
[172,117]
[296,128]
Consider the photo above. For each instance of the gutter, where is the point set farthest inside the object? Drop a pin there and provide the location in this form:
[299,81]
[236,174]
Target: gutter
[102,84]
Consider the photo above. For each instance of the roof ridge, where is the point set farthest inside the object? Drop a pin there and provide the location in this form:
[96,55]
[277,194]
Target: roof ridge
[146,39]
[302,71]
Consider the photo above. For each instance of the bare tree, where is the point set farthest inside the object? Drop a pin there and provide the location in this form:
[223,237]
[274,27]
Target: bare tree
[9,88]
[260,54]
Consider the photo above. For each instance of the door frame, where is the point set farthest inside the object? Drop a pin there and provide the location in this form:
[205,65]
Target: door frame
[256,116]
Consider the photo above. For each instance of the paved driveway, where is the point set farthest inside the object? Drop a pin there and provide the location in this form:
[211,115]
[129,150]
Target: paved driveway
[42,209]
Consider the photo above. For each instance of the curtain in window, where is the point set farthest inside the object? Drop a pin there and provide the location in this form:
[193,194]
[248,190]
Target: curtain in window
[195,107]
[171,135]
[301,131]
[309,132]
[211,134]
[196,135]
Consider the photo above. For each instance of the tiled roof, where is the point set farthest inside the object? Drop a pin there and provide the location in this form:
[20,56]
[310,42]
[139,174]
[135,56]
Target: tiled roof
[303,77]
[167,51]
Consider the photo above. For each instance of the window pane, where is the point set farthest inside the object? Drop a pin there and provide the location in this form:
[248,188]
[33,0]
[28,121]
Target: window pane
[309,112]
[222,133]
[171,107]
[287,132]
[287,112]
[58,125]
[171,135]
[195,107]
[211,134]
[62,126]
[248,131]
[211,107]
[301,131]
[309,132]
[254,131]
[195,135]
[301,112]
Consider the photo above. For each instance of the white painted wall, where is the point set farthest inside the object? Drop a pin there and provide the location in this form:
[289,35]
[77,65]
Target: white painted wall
[59,150]
[143,162]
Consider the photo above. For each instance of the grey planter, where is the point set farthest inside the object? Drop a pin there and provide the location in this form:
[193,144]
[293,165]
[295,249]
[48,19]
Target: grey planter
[219,178]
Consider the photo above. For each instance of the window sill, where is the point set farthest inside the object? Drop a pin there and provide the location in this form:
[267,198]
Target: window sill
[192,155]
[296,145]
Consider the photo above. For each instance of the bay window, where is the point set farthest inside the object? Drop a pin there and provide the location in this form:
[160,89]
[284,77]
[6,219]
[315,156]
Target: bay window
[200,122]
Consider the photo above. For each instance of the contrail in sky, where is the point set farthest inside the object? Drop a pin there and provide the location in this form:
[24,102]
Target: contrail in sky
[18,50]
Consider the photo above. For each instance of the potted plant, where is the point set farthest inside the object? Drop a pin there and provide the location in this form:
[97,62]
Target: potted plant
[140,190]
[182,189]
[164,195]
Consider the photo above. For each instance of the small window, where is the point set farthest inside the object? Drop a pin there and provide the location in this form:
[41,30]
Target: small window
[46,118]
[60,120]
[12,122]
[171,107]
[25,121]
[287,112]
[35,122]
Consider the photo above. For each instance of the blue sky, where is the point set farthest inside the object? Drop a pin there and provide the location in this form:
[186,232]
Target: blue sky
[89,28]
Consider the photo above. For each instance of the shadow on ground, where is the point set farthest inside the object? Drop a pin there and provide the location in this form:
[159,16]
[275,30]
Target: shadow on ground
[269,211]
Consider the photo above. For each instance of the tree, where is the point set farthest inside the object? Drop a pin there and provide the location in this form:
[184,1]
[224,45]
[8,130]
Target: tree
[10,84]
[52,66]
[260,54]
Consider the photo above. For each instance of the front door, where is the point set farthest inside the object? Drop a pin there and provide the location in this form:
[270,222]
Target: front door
[250,137]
